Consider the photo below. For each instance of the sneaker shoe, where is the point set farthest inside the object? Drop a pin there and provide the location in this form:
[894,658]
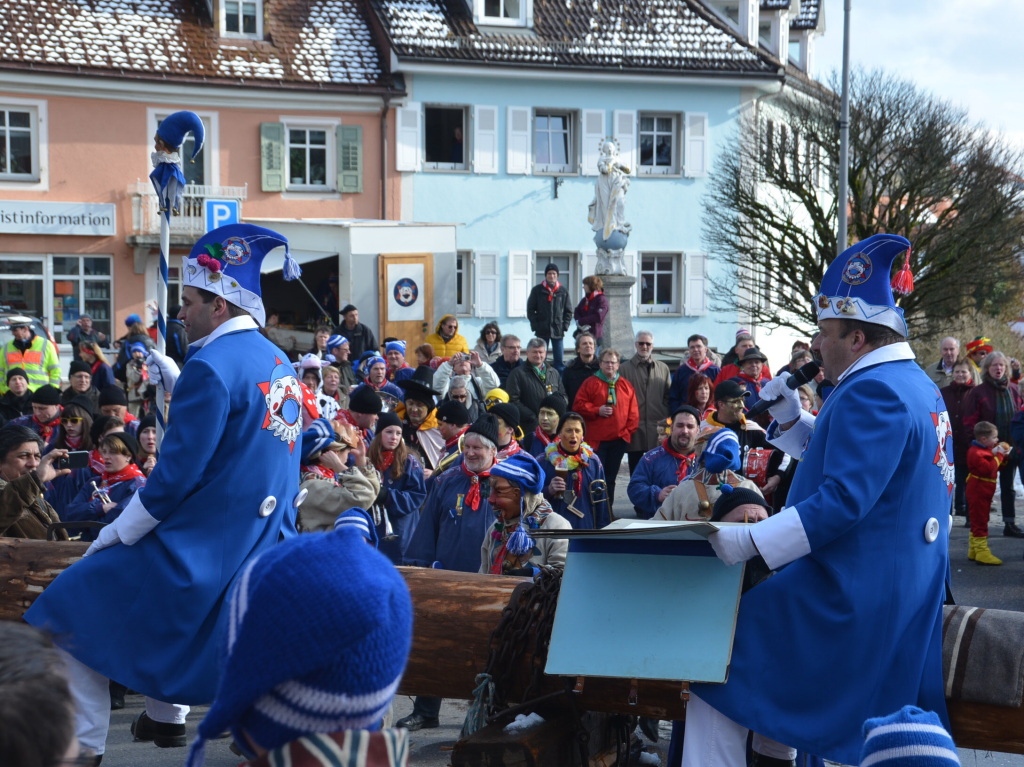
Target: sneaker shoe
[415,722]
[163,734]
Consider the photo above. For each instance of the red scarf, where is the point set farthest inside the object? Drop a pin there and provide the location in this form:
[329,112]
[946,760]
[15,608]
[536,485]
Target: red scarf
[586,305]
[577,473]
[46,429]
[72,442]
[346,416]
[551,289]
[748,379]
[96,461]
[129,472]
[685,461]
[391,373]
[386,460]
[455,440]
[96,366]
[510,449]
[320,471]
[703,366]
[539,434]
[473,494]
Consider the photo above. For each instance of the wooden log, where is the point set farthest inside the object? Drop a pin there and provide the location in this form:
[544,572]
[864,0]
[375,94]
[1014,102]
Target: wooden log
[454,615]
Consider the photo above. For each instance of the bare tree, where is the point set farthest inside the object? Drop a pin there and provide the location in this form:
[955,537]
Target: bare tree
[918,168]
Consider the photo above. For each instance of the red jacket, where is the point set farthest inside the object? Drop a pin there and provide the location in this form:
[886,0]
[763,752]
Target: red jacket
[621,424]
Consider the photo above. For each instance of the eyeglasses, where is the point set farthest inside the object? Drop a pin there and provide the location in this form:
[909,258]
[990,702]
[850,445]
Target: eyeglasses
[457,398]
[71,419]
[645,343]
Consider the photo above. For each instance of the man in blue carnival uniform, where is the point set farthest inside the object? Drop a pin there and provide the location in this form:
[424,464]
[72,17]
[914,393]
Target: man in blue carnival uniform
[146,605]
[850,625]
[661,469]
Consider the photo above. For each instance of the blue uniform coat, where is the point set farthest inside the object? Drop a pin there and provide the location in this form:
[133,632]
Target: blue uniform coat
[402,502]
[656,469]
[592,519]
[150,615]
[449,531]
[853,629]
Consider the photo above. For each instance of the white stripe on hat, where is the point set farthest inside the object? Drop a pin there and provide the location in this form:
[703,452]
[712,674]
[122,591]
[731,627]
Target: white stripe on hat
[327,703]
[908,727]
[900,753]
[282,712]
[239,604]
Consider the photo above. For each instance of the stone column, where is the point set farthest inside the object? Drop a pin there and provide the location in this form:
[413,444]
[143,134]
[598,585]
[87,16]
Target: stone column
[618,324]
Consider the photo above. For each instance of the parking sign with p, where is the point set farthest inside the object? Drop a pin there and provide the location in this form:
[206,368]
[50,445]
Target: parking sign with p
[221,213]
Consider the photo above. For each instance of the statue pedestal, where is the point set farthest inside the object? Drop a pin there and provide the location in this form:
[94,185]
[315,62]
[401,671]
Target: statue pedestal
[618,324]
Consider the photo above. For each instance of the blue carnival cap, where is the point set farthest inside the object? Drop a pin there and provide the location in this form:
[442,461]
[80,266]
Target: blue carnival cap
[721,451]
[522,469]
[175,127]
[856,285]
[335,341]
[395,346]
[227,261]
[911,736]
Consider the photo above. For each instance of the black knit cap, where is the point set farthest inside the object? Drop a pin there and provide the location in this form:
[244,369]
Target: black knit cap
[453,412]
[83,402]
[390,418]
[46,395]
[127,440]
[738,497]
[16,372]
[507,412]
[79,366]
[113,395]
[486,426]
[554,402]
[365,400]
[686,409]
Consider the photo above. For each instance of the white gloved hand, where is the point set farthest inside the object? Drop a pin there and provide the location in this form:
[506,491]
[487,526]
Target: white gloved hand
[788,407]
[733,544]
[107,537]
[163,371]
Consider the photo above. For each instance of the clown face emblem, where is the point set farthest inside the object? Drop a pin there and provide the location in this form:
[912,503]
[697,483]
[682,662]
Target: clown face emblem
[857,270]
[283,396]
[406,292]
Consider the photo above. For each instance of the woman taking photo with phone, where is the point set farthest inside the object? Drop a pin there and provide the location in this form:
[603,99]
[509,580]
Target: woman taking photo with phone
[105,499]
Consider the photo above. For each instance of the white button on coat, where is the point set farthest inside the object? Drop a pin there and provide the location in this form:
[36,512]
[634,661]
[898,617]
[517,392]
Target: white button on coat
[931,530]
[268,506]
[300,497]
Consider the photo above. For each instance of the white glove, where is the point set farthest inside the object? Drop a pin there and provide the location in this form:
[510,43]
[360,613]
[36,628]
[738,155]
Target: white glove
[107,537]
[163,371]
[788,407]
[733,544]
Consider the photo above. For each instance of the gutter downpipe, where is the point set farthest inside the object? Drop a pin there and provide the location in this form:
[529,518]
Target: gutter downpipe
[386,105]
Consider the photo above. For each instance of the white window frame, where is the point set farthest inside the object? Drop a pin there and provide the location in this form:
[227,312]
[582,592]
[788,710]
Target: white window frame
[258,6]
[675,278]
[524,19]
[674,132]
[571,280]
[330,145]
[39,179]
[463,166]
[572,155]
[464,272]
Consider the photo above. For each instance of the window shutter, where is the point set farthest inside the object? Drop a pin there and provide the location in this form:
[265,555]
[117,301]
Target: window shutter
[485,139]
[696,285]
[593,135]
[407,141]
[625,132]
[519,281]
[272,156]
[486,280]
[517,160]
[589,264]
[350,158]
[696,145]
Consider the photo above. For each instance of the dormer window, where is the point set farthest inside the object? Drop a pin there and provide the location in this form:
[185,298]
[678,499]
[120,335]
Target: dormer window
[514,13]
[242,18]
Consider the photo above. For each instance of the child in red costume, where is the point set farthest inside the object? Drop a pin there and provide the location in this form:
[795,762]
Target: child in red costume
[984,457]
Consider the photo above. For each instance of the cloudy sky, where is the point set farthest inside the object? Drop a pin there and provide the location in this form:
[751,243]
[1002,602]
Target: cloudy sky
[967,51]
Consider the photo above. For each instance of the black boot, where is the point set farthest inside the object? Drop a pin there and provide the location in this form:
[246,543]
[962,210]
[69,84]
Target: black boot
[117,692]
[760,760]
[1010,529]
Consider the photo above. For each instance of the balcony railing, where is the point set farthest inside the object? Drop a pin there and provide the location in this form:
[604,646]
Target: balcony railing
[146,219]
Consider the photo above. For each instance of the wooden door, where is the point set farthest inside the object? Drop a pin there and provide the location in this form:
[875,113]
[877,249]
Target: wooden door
[406,292]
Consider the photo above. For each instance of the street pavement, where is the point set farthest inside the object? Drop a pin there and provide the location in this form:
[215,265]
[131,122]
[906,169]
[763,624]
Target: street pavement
[991,587]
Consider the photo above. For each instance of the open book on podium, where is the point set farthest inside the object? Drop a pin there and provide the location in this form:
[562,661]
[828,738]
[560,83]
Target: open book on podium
[644,599]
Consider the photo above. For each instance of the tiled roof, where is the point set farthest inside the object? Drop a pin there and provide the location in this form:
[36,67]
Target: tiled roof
[317,43]
[630,35]
[808,16]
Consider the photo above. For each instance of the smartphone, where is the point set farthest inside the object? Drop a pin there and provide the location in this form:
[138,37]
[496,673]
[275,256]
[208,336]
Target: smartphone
[76,459]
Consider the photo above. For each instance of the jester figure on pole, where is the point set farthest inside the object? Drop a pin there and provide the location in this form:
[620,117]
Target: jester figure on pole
[169,182]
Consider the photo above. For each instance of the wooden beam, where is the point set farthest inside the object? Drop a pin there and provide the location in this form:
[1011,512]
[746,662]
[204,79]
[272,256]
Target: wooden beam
[454,616]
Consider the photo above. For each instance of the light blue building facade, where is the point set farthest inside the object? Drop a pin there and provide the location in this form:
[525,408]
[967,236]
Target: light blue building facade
[502,128]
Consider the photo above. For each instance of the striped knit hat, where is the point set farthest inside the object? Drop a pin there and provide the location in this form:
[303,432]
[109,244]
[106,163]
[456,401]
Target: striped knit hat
[721,450]
[909,738]
[310,647]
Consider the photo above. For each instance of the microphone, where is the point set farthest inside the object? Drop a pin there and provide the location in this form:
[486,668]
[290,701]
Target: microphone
[804,375]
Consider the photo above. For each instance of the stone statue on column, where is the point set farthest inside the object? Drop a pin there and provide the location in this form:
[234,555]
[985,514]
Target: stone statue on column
[607,212]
